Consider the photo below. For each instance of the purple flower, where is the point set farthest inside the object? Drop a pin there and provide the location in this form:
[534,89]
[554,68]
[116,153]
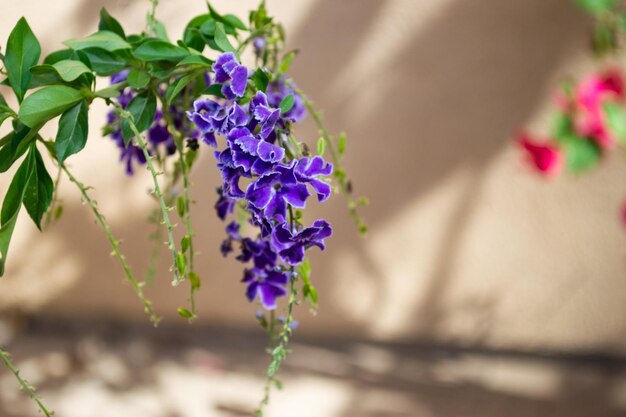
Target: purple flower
[273,191]
[291,246]
[266,284]
[231,74]
[265,115]
[259,45]
[224,205]
[309,169]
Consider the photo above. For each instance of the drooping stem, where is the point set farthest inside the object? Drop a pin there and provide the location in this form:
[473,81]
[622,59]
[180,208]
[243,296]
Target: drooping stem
[24,385]
[52,210]
[137,285]
[157,190]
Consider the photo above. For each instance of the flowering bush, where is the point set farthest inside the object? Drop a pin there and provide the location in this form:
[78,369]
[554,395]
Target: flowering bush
[590,116]
[170,101]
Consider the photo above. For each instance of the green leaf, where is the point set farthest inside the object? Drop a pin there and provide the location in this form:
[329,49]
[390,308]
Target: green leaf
[184,313]
[234,21]
[11,206]
[181,263]
[285,63]
[214,90]
[39,190]
[14,145]
[105,63]
[157,50]
[57,56]
[49,102]
[184,243]
[596,6]
[321,146]
[138,79]
[194,280]
[142,108]
[581,153]
[161,31]
[174,89]
[104,39]
[44,75]
[69,70]
[341,143]
[22,52]
[616,119]
[180,207]
[261,79]
[199,60]
[72,133]
[286,103]
[108,22]
[221,40]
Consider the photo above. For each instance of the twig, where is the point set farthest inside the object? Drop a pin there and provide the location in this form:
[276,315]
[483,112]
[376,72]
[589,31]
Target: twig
[115,245]
[30,390]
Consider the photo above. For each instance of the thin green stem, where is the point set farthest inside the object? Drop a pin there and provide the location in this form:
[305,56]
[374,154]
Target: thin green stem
[51,213]
[137,285]
[157,191]
[184,169]
[30,390]
[151,18]
[344,182]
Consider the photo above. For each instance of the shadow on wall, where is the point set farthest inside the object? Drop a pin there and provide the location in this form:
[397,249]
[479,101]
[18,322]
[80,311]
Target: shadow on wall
[448,95]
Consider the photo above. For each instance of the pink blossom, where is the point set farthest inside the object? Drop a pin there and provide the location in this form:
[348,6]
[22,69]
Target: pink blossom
[591,94]
[546,158]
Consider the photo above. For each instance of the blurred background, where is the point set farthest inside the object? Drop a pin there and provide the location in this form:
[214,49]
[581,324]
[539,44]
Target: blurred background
[481,289]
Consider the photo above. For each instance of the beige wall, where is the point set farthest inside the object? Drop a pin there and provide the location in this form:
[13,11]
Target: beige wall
[465,245]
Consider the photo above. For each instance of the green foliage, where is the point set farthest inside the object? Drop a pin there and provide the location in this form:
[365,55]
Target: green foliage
[103,39]
[581,153]
[138,79]
[285,63]
[22,52]
[158,50]
[105,63]
[596,6]
[12,204]
[39,189]
[321,146]
[261,79]
[72,133]
[175,88]
[616,120]
[286,103]
[49,102]
[221,40]
[109,23]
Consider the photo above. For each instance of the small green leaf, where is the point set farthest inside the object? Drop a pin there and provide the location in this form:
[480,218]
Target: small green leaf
[581,154]
[321,146]
[184,313]
[234,21]
[286,104]
[11,206]
[175,88]
[57,56]
[214,90]
[14,145]
[616,118]
[221,40]
[105,63]
[181,263]
[285,63]
[261,79]
[194,280]
[341,143]
[49,102]
[158,50]
[104,39]
[199,60]
[72,133]
[142,108]
[108,22]
[138,79]
[180,206]
[184,243]
[161,31]
[69,70]
[39,190]
[22,52]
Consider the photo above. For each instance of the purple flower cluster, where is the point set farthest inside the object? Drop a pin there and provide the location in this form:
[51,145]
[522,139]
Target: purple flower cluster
[275,184]
[159,137]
